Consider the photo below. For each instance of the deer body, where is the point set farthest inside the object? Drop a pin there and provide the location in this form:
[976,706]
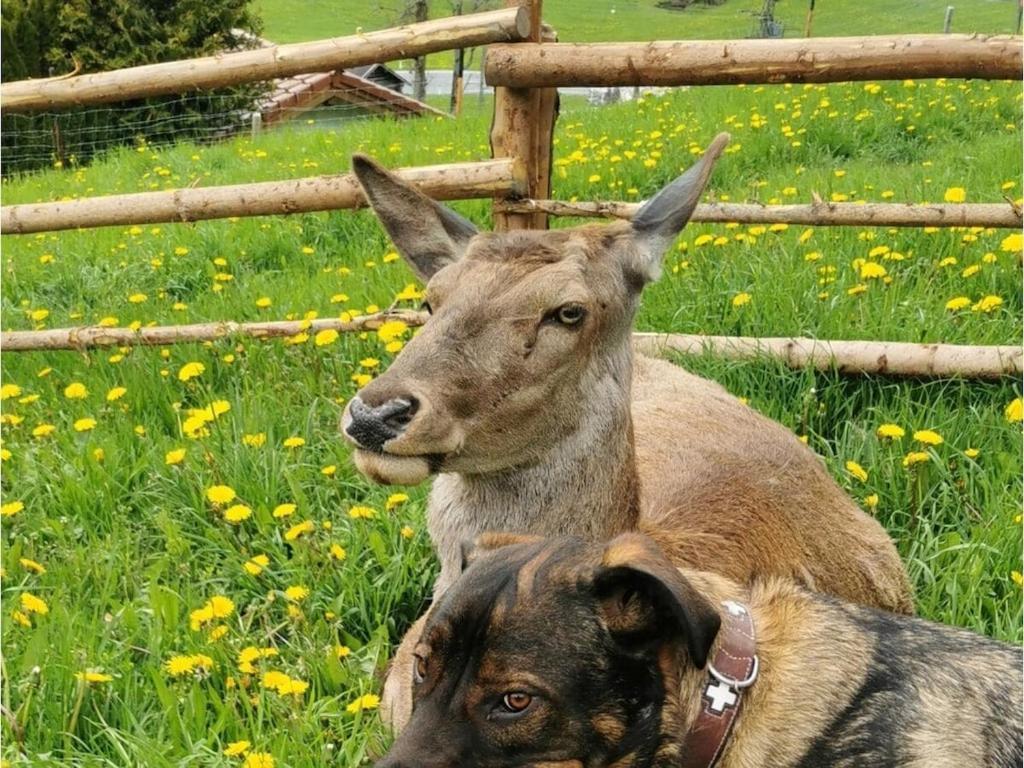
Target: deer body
[522,396]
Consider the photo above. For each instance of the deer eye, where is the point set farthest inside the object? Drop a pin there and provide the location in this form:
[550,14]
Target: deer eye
[419,669]
[570,314]
[515,702]
[425,307]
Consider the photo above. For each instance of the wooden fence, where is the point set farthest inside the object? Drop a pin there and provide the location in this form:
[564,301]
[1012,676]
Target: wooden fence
[526,65]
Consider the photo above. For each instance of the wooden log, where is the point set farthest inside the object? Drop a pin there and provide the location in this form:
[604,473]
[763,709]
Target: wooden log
[454,181]
[849,357]
[516,133]
[89,337]
[724,62]
[888,358]
[266,63]
[999,215]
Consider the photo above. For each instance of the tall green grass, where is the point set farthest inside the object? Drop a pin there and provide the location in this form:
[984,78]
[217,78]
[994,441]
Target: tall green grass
[131,545]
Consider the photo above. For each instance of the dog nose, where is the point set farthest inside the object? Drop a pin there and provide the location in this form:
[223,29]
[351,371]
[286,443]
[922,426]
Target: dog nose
[371,427]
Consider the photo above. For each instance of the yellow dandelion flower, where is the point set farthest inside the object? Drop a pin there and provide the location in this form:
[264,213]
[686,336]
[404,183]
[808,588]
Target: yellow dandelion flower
[236,748]
[5,454]
[21,618]
[11,508]
[31,565]
[369,363]
[258,760]
[871,270]
[891,431]
[217,633]
[200,616]
[955,195]
[338,552]
[76,391]
[7,391]
[365,513]
[220,494]
[329,470]
[1014,410]
[237,513]
[297,593]
[871,501]
[284,510]
[987,304]
[294,442]
[293,687]
[307,526]
[178,666]
[93,677]
[116,393]
[741,299]
[222,606]
[341,651]
[85,424]
[957,303]
[190,371]
[857,471]
[254,441]
[174,457]
[325,337]
[254,566]
[361,379]
[928,437]
[1012,243]
[395,499]
[972,453]
[367,701]
[407,532]
[32,604]
[915,457]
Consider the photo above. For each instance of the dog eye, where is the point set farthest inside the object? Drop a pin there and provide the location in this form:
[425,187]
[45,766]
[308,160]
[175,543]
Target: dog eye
[516,701]
[419,669]
[570,314]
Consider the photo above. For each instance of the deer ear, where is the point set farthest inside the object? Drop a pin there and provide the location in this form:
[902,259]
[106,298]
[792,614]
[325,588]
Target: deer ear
[429,235]
[663,217]
[646,602]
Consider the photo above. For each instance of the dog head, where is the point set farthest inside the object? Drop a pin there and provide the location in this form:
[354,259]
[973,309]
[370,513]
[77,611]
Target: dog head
[554,653]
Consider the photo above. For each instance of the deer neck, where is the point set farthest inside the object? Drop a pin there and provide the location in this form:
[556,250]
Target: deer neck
[586,485]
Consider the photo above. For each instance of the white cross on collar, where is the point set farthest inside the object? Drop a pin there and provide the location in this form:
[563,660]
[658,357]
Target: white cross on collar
[720,696]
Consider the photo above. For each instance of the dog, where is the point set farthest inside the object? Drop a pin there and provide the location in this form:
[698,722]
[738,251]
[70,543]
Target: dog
[567,654]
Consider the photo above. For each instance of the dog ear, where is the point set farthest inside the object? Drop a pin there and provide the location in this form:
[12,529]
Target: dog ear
[492,540]
[645,601]
[427,234]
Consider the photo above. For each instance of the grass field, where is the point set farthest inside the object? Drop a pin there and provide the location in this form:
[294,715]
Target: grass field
[189,560]
[588,21]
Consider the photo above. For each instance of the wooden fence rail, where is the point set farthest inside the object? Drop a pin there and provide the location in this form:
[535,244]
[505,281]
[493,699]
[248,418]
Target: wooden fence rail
[267,63]
[998,215]
[726,62]
[850,357]
[454,181]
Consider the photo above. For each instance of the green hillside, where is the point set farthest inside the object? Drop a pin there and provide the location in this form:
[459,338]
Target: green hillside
[593,20]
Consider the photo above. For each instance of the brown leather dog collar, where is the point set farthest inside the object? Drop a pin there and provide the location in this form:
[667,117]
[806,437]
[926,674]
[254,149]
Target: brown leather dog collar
[733,669]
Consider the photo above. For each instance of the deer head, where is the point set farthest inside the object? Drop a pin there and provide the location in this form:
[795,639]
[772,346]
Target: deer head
[529,331]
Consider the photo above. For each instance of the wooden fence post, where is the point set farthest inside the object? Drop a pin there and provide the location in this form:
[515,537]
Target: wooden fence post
[522,129]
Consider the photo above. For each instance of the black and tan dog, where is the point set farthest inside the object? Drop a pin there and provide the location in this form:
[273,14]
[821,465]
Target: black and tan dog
[562,653]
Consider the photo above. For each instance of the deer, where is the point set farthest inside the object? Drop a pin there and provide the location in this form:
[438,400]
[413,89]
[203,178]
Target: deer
[522,398]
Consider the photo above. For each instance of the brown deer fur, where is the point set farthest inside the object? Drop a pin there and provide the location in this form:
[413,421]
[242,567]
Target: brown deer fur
[536,420]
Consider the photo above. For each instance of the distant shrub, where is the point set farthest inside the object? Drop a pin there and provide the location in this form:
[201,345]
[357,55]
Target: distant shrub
[46,38]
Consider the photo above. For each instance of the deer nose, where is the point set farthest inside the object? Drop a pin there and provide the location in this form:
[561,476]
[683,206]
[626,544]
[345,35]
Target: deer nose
[372,426]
